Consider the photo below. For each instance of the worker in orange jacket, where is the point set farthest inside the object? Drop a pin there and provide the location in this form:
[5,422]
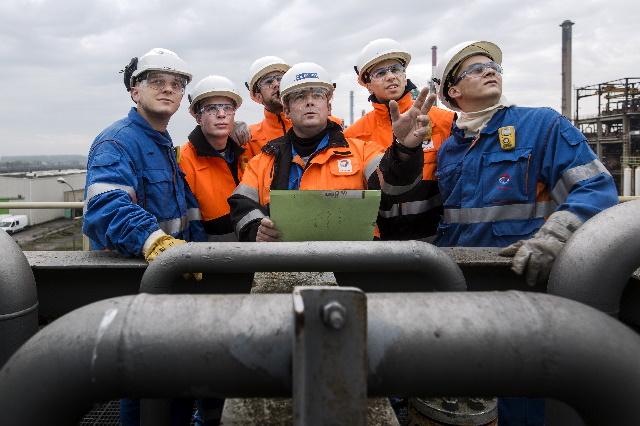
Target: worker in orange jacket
[211,159]
[315,155]
[381,69]
[264,88]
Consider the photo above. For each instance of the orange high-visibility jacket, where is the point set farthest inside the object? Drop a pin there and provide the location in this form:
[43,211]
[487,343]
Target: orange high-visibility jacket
[343,164]
[212,180]
[415,214]
[272,127]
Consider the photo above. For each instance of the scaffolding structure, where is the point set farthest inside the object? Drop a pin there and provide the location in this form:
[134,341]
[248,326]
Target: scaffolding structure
[614,131]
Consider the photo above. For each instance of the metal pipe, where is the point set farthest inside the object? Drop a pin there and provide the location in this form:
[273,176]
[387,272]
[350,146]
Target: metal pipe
[18,298]
[598,260]
[440,272]
[428,344]
[41,205]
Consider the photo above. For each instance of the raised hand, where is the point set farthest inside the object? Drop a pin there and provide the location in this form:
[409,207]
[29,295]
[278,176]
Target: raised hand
[411,126]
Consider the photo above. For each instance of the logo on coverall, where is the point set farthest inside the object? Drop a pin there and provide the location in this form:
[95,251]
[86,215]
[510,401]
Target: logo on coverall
[503,182]
[344,166]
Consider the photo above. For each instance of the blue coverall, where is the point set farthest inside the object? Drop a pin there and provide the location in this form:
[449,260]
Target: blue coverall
[494,196]
[134,187]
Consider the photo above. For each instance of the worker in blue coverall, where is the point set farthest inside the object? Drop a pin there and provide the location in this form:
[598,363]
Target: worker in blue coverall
[520,178]
[137,201]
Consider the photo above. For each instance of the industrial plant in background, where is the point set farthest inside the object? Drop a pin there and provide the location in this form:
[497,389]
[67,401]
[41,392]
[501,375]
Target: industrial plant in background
[614,131]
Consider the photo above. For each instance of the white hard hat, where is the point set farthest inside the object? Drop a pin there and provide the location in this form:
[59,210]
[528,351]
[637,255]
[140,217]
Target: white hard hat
[302,75]
[378,51]
[158,59]
[263,66]
[214,85]
[453,57]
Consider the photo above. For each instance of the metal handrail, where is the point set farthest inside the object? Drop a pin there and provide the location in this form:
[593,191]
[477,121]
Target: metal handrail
[41,205]
[437,271]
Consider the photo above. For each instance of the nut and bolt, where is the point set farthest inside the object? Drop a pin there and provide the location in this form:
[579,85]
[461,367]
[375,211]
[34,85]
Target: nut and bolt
[334,315]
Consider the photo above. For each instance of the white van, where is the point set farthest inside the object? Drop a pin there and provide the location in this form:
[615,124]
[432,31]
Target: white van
[14,223]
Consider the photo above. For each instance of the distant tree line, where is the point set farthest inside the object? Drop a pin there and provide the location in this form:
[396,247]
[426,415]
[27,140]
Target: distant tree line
[41,162]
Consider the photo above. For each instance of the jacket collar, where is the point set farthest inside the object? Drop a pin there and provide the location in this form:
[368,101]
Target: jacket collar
[203,148]
[404,102]
[336,139]
[163,138]
[491,127]
[270,116]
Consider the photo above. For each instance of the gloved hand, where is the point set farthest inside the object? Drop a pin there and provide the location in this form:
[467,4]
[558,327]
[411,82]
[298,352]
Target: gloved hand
[241,134]
[163,243]
[536,255]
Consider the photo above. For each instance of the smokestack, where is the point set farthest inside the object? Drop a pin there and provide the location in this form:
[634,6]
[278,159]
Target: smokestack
[350,107]
[566,68]
[434,62]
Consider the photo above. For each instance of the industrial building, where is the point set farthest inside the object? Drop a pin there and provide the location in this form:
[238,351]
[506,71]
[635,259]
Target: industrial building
[613,131]
[54,185]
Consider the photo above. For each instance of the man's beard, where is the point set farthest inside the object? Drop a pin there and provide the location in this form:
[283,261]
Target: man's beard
[273,105]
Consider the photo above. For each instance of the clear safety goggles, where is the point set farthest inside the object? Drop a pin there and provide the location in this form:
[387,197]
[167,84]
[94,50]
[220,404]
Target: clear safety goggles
[215,109]
[270,81]
[160,81]
[380,73]
[315,93]
[477,70]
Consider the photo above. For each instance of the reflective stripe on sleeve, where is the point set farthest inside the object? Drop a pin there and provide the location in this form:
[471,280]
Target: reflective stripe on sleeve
[101,188]
[496,213]
[193,214]
[372,166]
[413,207]
[575,175]
[397,190]
[249,217]
[173,226]
[247,191]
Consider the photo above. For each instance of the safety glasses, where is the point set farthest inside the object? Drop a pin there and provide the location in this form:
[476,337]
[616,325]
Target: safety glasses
[380,73]
[315,93]
[477,70]
[160,81]
[215,109]
[270,81]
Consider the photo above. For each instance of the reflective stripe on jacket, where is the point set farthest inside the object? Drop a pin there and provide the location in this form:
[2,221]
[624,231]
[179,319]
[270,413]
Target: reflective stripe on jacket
[272,127]
[416,213]
[343,164]
[212,180]
[494,197]
[134,187]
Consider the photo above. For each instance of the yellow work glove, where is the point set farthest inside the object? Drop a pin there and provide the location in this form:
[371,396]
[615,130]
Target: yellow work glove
[164,243]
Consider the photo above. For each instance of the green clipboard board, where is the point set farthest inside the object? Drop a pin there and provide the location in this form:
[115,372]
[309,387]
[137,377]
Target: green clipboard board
[342,215]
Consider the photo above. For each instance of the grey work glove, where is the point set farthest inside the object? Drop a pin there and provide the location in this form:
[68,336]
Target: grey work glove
[534,257]
[241,134]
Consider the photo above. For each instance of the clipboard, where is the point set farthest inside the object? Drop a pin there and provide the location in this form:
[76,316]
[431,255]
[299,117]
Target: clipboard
[326,215]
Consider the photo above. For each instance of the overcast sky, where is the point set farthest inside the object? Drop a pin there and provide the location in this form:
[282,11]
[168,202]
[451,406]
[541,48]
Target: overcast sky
[59,60]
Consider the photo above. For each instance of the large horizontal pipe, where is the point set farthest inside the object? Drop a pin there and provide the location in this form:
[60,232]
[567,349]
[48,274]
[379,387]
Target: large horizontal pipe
[439,270]
[596,263]
[160,346]
[18,298]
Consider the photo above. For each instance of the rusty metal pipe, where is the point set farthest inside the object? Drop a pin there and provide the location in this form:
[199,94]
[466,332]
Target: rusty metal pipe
[18,298]
[597,262]
[440,272]
[161,346]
